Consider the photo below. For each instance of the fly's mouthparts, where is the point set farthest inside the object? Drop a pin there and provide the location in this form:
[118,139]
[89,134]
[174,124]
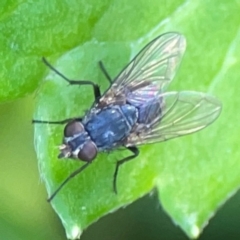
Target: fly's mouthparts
[62,147]
[65,151]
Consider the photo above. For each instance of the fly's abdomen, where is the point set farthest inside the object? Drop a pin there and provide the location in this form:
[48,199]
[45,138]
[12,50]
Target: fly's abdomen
[149,110]
[108,127]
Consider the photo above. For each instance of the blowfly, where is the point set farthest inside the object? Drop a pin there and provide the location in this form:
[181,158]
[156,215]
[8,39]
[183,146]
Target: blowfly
[136,109]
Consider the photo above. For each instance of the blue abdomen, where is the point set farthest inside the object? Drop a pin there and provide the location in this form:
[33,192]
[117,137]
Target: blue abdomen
[109,126]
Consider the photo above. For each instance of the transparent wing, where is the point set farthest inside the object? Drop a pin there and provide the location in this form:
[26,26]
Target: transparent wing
[149,72]
[181,113]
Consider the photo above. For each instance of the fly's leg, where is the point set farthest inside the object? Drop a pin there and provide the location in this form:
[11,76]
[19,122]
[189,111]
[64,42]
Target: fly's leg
[56,122]
[135,152]
[96,88]
[105,72]
[72,175]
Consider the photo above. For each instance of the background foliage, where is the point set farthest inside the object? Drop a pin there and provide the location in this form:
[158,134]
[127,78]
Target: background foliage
[194,175]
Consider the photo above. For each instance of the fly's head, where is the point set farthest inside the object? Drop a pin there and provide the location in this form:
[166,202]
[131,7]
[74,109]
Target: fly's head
[77,143]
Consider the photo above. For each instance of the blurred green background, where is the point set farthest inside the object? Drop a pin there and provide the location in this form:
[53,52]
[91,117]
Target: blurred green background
[25,214]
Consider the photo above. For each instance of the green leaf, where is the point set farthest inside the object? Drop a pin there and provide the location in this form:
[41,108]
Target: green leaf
[194,175]
[32,29]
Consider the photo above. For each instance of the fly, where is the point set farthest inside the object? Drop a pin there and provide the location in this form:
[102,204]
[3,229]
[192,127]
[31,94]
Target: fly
[136,109]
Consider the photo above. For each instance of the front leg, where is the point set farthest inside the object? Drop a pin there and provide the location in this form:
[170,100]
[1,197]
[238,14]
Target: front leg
[72,175]
[56,122]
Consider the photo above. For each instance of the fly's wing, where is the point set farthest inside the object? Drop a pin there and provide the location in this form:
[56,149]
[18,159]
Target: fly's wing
[149,72]
[181,113]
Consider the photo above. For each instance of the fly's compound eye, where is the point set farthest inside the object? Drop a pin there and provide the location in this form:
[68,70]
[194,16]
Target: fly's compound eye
[73,128]
[88,152]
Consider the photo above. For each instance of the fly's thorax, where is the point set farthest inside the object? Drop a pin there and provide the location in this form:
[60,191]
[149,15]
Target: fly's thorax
[77,143]
[113,96]
[108,127]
